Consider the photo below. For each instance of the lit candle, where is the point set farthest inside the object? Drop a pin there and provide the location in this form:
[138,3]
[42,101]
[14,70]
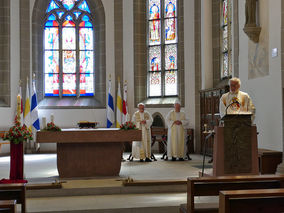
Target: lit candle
[43,122]
[18,107]
[52,118]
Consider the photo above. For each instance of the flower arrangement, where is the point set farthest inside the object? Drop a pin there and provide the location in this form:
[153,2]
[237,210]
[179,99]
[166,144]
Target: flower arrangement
[52,127]
[17,133]
[128,126]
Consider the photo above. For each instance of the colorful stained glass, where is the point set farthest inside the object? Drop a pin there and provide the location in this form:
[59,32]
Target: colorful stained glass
[69,85]
[171,57]
[170,8]
[51,39]
[171,83]
[68,4]
[155,84]
[225,38]
[86,85]
[51,61]
[68,38]
[225,65]
[84,6]
[69,61]
[154,9]
[52,6]
[77,14]
[86,39]
[60,14]
[51,22]
[170,31]
[154,58]
[86,61]
[225,12]
[154,32]
[51,84]
[86,22]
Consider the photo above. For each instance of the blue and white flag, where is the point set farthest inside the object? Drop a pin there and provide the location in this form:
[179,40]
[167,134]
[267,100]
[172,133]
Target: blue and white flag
[110,108]
[34,109]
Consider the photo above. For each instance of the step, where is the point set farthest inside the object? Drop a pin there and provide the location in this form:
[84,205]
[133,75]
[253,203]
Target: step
[126,203]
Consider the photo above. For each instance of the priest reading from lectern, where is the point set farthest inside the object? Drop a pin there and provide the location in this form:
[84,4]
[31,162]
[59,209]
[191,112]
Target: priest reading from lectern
[177,123]
[143,121]
[236,101]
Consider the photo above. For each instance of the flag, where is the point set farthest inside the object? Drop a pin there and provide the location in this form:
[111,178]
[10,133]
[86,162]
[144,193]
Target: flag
[124,105]
[110,108]
[34,109]
[118,107]
[27,114]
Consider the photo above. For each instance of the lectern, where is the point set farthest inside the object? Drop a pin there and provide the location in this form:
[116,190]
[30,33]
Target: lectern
[235,147]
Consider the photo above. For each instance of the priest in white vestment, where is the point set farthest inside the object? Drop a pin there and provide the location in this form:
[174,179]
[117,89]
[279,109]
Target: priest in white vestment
[143,121]
[236,101]
[177,125]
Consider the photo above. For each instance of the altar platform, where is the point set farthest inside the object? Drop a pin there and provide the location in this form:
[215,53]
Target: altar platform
[106,194]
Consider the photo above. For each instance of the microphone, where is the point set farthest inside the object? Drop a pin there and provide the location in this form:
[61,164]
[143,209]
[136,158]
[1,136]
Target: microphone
[235,101]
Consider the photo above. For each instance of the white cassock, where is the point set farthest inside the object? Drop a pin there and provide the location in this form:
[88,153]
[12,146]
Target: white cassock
[245,104]
[142,150]
[176,146]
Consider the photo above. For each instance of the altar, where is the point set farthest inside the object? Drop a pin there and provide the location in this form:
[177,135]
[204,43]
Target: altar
[89,152]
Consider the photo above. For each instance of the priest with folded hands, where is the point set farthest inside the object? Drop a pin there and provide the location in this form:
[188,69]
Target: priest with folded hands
[177,125]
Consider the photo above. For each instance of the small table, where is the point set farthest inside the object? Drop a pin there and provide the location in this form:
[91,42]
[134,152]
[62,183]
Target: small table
[89,152]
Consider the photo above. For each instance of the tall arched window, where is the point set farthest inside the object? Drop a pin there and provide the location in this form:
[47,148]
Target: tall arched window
[162,48]
[68,49]
[226,39]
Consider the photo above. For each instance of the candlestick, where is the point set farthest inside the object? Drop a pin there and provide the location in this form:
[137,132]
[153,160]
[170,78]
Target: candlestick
[43,122]
[52,118]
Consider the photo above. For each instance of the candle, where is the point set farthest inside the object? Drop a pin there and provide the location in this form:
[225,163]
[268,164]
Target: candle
[52,118]
[43,122]
[18,105]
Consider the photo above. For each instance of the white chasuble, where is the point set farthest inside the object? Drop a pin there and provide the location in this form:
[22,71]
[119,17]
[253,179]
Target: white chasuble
[142,150]
[176,146]
[240,104]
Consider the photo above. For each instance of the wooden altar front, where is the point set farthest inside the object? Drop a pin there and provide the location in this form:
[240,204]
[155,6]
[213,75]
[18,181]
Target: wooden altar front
[89,152]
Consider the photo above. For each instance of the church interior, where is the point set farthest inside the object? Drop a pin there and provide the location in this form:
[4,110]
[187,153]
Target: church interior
[141,106]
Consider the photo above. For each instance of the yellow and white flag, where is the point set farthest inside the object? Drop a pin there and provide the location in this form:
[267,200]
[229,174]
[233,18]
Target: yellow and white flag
[118,107]
[27,112]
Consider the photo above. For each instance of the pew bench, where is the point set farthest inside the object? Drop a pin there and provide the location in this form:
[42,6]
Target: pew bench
[8,206]
[252,201]
[211,186]
[15,191]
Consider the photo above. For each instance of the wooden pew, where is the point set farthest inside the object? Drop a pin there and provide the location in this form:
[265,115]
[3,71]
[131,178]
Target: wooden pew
[15,191]
[210,186]
[8,206]
[252,201]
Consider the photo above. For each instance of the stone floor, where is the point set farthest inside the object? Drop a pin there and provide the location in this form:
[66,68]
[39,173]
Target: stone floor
[107,194]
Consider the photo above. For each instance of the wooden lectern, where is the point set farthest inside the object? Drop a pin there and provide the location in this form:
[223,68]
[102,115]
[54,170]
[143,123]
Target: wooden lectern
[235,147]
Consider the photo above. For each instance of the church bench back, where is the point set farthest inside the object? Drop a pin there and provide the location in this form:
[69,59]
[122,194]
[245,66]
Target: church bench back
[16,191]
[8,206]
[211,186]
[259,200]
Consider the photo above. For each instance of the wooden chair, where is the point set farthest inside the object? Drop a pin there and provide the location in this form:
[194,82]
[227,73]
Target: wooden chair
[3,142]
[210,186]
[252,201]
[16,192]
[8,206]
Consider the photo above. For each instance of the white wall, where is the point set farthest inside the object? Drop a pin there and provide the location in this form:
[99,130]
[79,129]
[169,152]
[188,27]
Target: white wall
[266,91]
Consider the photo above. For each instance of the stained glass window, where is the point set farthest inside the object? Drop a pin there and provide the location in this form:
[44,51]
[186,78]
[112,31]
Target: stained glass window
[162,48]
[69,49]
[226,47]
